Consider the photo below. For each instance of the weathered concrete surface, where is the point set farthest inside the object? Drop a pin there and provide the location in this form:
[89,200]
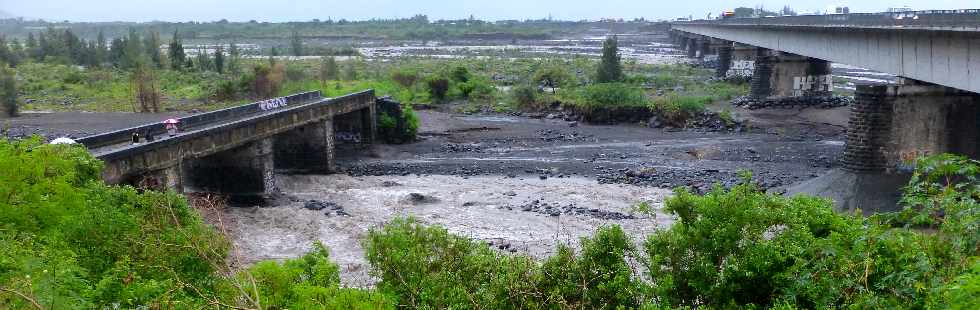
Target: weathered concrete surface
[893,125]
[213,145]
[308,149]
[850,191]
[949,58]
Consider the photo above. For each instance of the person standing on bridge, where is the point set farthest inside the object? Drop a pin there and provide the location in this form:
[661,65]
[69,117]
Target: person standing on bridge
[171,125]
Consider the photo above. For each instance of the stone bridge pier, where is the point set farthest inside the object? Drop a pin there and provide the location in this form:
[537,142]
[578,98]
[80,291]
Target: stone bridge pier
[893,125]
[780,75]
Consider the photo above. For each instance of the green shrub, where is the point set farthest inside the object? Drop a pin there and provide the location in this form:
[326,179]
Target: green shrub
[460,74]
[526,97]
[74,76]
[70,241]
[678,109]
[295,72]
[405,77]
[426,267]
[8,92]
[609,96]
[438,87]
[312,281]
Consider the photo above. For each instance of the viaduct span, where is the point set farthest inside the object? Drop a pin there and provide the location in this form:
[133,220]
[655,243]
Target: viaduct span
[237,150]
[936,54]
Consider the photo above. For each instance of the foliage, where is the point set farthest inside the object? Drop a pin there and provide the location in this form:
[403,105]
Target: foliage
[328,69]
[8,91]
[608,96]
[398,126]
[438,87]
[312,281]
[526,97]
[68,241]
[146,91]
[744,247]
[610,68]
[677,109]
[405,77]
[553,77]
[426,267]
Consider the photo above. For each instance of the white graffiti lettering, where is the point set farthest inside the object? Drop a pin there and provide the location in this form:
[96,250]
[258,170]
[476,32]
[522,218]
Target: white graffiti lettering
[349,136]
[274,103]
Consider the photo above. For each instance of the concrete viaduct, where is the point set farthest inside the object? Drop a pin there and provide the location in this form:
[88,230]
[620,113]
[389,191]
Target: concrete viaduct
[934,108]
[236,151]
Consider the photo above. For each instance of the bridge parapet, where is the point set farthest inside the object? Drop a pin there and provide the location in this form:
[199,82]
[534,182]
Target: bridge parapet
[236,153]
[946,20]
[202,119]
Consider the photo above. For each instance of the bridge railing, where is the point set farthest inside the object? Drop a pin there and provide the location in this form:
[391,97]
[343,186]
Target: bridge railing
[964,20]
[124,135]
[127,150]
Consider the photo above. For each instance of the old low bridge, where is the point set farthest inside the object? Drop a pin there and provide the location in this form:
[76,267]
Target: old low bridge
[238,150]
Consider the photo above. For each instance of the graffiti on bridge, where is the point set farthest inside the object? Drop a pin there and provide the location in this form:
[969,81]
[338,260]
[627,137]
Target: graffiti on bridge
[349,136]
[273,103]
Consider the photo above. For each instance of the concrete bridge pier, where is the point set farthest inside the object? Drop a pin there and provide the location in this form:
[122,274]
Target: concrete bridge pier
[783,75]
[248,170]
[307,149]
[725,50]
[761,86]
[692,48]
[891,126]
[704,48]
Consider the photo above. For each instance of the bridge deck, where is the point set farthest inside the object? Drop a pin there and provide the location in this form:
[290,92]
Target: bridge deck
[120,140]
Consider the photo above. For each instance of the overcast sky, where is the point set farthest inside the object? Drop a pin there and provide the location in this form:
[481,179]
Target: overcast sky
[302,10]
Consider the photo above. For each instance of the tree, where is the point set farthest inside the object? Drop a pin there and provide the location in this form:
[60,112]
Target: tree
[101,49]
[328,69]
[176,52]
[350,71]
[203,60]
[296,43]
[219,59]
[610,69]
[145,90]
[116,51]
[8,91]
[788,11]
[152,45]
[744,12]
[6,55]
[132,51]
[552,76]
[31,45]
[234,56]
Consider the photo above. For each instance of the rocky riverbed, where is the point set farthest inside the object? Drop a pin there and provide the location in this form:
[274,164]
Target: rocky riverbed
[525,185]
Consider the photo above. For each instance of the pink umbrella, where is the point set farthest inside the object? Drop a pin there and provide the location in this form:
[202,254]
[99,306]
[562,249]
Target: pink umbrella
[171,121]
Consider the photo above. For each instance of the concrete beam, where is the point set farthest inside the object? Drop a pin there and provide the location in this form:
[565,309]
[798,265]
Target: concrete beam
[945,58]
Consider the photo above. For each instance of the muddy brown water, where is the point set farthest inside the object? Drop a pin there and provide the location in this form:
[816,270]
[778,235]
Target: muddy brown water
[522,185]
[486,208]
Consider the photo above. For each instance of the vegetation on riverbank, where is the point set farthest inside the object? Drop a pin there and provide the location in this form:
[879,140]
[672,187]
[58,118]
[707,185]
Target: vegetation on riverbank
[71,242]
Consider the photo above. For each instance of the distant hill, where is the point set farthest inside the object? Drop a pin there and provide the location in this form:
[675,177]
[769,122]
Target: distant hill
[4,15]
